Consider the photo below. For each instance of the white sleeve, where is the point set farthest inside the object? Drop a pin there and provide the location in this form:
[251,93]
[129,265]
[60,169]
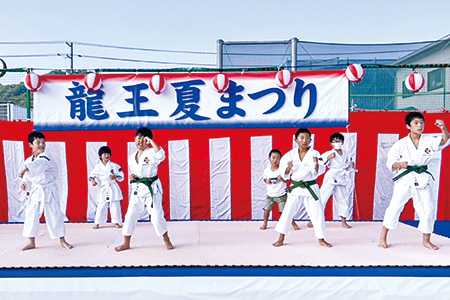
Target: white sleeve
[118,172]
[393,156]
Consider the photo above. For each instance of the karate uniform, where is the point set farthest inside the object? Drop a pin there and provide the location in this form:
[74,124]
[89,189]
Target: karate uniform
[141,198]
[337,182]
[413,184]
[109,194]
[43,197]
[303,170]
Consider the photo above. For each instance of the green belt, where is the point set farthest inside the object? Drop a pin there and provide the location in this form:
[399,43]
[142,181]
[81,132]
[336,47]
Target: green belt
[147,181]
[304,185]
[409,169]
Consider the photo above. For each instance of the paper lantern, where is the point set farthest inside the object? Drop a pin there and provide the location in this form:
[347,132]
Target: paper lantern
[221,82]
[157,84]
[33,82]
[284,78]
[414,82]
[92,82]
[355,73]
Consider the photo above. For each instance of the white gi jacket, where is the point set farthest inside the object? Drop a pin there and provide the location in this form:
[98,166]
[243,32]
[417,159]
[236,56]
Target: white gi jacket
[109,189]
[338,173]
[147,167]
[40,180]
[405,150]
[303,170]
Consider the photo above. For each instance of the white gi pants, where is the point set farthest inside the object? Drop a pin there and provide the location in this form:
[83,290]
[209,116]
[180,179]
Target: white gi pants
[101,215]
[54,218]
[341,196]
[137,206]
[313,208]
[422,201]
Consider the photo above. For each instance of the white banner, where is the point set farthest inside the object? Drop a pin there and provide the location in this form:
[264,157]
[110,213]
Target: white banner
[252,100]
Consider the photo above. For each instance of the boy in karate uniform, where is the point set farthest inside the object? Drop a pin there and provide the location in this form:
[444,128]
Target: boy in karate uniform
[146,188]
[38,179]
[303,166]
[105,174]
[408,159]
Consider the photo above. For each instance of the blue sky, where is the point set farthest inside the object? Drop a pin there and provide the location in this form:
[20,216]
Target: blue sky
[196,25]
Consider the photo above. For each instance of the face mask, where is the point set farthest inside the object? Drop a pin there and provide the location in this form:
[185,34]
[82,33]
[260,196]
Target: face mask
[337,146]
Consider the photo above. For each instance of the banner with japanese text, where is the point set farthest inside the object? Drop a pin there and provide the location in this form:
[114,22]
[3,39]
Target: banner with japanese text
[190,100]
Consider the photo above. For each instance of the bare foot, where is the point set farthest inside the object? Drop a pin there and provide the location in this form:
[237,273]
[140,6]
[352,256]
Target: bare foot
[280,241]
[430,246]
[264,227]
[295,226]
[29,246]
[96,226]
[117,225]
[383,245]
[65,244]
[346,225]
[324,243]
[122,247]
[167,241]
[309,225]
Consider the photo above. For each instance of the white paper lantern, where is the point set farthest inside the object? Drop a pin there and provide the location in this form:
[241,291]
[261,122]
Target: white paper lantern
[157,84]
[414,82]
[33,82]
[221,82]
[92,82]
[284,78]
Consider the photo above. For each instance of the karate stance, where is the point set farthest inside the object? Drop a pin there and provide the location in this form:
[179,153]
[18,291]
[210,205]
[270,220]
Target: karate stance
[336,181]
[38,180]
[146,188]
[303,166]
[408,159]
[105,175]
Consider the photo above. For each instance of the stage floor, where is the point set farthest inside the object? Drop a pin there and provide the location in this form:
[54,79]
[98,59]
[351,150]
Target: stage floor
[222,243]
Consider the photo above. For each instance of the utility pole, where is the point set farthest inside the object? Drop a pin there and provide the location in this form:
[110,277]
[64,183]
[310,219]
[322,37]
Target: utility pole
[70,56]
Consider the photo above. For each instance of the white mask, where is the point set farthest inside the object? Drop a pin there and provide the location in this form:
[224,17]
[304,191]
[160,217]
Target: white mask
[337,146]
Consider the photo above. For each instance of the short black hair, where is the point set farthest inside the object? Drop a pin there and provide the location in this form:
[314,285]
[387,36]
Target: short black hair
[145,132]
[337,136]
[35,135]
[103,149]
[302,130]
[413,115]
[274,151]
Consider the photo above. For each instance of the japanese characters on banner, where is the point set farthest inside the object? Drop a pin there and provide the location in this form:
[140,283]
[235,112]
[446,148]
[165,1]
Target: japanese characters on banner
[190,100]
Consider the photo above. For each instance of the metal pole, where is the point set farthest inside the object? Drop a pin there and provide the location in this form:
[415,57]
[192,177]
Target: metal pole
[294,42]
[28,105]
[220,54]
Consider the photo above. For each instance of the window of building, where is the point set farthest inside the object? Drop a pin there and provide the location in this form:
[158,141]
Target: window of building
[435,79]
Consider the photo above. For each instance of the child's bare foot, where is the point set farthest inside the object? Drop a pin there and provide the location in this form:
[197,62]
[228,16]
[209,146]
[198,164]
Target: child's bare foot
[118,225]
[126,244]
[122,247]
[96,226]
[295,226]
[430,246]
[309,225]
[346,225]
[280,241]
[65,244]
[264,227]
[383,245]
[167,241]
[324,243]
[30,245]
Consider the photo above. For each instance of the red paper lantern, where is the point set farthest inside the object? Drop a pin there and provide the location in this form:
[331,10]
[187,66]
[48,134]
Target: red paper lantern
[284,78]
[92,81]
[414,82]
[33,82]
[355,73]
[221,82]
[157,84]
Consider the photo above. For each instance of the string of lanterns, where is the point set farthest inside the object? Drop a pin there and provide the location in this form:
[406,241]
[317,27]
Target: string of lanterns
[283,78]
